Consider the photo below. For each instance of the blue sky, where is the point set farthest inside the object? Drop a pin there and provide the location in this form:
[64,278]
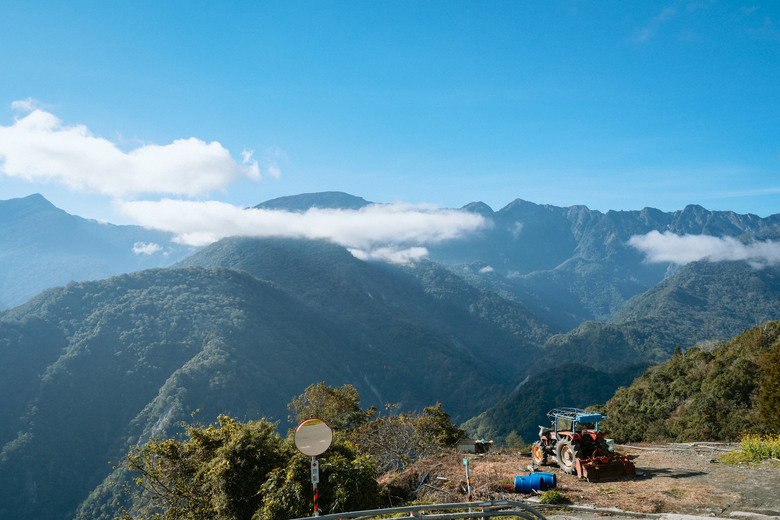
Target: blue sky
[613,105]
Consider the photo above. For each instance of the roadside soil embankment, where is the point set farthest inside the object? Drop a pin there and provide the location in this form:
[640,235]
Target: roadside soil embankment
[684,479]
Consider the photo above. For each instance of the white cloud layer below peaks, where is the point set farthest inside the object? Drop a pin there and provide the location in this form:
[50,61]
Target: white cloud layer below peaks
[391,232]
[39,147]
[683,249]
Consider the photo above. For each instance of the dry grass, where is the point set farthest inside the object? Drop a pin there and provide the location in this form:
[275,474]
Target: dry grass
[670,481]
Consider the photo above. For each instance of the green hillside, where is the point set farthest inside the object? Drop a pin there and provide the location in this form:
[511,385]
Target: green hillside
[130,357]
[364,297]
[703,395]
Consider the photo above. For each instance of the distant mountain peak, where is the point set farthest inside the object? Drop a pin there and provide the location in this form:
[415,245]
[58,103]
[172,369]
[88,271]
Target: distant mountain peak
[31,206]
[307,201]
[479,207]
[35,201]
[35,198]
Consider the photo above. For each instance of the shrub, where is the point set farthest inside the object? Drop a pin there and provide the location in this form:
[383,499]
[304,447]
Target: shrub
[552,496]
[760,447]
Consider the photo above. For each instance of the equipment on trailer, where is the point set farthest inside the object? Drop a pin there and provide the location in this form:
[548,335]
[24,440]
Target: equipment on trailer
[575,443]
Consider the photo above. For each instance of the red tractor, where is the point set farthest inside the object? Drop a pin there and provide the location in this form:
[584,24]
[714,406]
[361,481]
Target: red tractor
[575,443]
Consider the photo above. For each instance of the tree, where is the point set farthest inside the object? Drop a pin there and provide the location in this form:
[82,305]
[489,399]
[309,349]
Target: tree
[347,483]
[436,424]
[245,471]
[392,440]
[514,441]
[339,407]
[396,440]
[769,391]
[214,474]
[240,471]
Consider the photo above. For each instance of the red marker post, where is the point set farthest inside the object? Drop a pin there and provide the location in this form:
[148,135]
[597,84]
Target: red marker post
[313,437]
[468,480]
[315,479]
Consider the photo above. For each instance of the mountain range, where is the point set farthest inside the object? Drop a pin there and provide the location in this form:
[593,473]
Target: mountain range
[122,345]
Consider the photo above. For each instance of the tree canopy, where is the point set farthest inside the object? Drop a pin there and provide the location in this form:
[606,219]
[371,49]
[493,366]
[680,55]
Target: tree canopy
[234,470]
[339,407]
[769,392]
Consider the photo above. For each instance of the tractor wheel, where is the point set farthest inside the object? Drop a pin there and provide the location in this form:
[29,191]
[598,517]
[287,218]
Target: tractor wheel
[539,454]
[567,453]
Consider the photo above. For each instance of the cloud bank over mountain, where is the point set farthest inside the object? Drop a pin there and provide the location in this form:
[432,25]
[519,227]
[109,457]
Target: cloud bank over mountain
[684,249]
[39,147]
[394,232]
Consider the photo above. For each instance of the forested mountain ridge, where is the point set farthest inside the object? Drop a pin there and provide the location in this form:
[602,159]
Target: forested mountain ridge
[703,303]
[567,265]
[325,276]
[574,270]
[324,200]
[99,366]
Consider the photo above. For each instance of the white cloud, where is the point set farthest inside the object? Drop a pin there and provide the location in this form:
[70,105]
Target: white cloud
[24,105]
[390,254]
[392,232]
[516,229]
[655,23]
[487,269]
[683,249]
[143,248]
[39,147]
[273,170]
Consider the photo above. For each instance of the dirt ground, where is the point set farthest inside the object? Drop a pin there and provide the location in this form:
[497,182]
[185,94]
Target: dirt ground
[682,479]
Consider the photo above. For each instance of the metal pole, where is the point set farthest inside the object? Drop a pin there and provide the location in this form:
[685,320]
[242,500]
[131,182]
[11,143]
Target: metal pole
[315,478]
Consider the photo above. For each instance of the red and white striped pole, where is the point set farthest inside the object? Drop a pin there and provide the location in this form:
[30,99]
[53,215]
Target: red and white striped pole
[315,478]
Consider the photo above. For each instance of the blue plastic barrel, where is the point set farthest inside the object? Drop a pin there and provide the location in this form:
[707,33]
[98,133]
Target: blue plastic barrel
[535,482]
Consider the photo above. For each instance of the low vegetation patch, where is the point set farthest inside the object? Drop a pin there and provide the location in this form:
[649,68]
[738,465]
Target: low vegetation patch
[552,496]
[761,447]
[755,448]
